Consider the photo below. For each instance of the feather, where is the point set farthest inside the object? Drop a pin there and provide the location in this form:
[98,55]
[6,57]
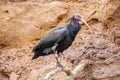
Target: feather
[63,36]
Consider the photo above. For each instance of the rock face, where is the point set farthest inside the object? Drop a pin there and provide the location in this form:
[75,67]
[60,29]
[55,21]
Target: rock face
[23,24]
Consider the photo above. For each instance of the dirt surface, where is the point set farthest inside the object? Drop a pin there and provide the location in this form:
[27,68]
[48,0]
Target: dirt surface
[23,24]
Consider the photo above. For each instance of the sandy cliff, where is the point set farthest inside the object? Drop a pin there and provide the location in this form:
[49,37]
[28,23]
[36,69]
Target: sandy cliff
[23,24]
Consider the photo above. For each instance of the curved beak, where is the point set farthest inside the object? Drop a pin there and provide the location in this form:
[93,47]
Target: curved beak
[81,19]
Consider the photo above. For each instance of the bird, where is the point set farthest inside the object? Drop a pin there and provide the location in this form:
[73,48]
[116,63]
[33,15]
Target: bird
[60,38]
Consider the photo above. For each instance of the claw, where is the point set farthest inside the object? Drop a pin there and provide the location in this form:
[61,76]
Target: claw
[60,65]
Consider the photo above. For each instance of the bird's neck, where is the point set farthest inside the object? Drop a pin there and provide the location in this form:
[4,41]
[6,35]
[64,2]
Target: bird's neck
[74,27]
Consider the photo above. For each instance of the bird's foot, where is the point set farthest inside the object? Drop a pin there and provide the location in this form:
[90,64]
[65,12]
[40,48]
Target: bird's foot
[61,53]
[60,65]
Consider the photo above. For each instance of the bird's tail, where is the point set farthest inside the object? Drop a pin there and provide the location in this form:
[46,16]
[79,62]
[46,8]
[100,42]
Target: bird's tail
[41,52]
[37,53]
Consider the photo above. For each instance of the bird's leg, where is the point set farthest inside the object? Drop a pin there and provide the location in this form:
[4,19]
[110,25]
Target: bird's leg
[57,57]
[58,60]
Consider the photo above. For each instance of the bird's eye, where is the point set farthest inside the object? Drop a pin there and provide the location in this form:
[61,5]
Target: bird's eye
[79,16]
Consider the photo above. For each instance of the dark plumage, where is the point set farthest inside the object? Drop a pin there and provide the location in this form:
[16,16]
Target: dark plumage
[63,36]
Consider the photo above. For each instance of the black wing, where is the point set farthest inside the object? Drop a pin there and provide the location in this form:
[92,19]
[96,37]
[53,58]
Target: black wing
[53,37]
